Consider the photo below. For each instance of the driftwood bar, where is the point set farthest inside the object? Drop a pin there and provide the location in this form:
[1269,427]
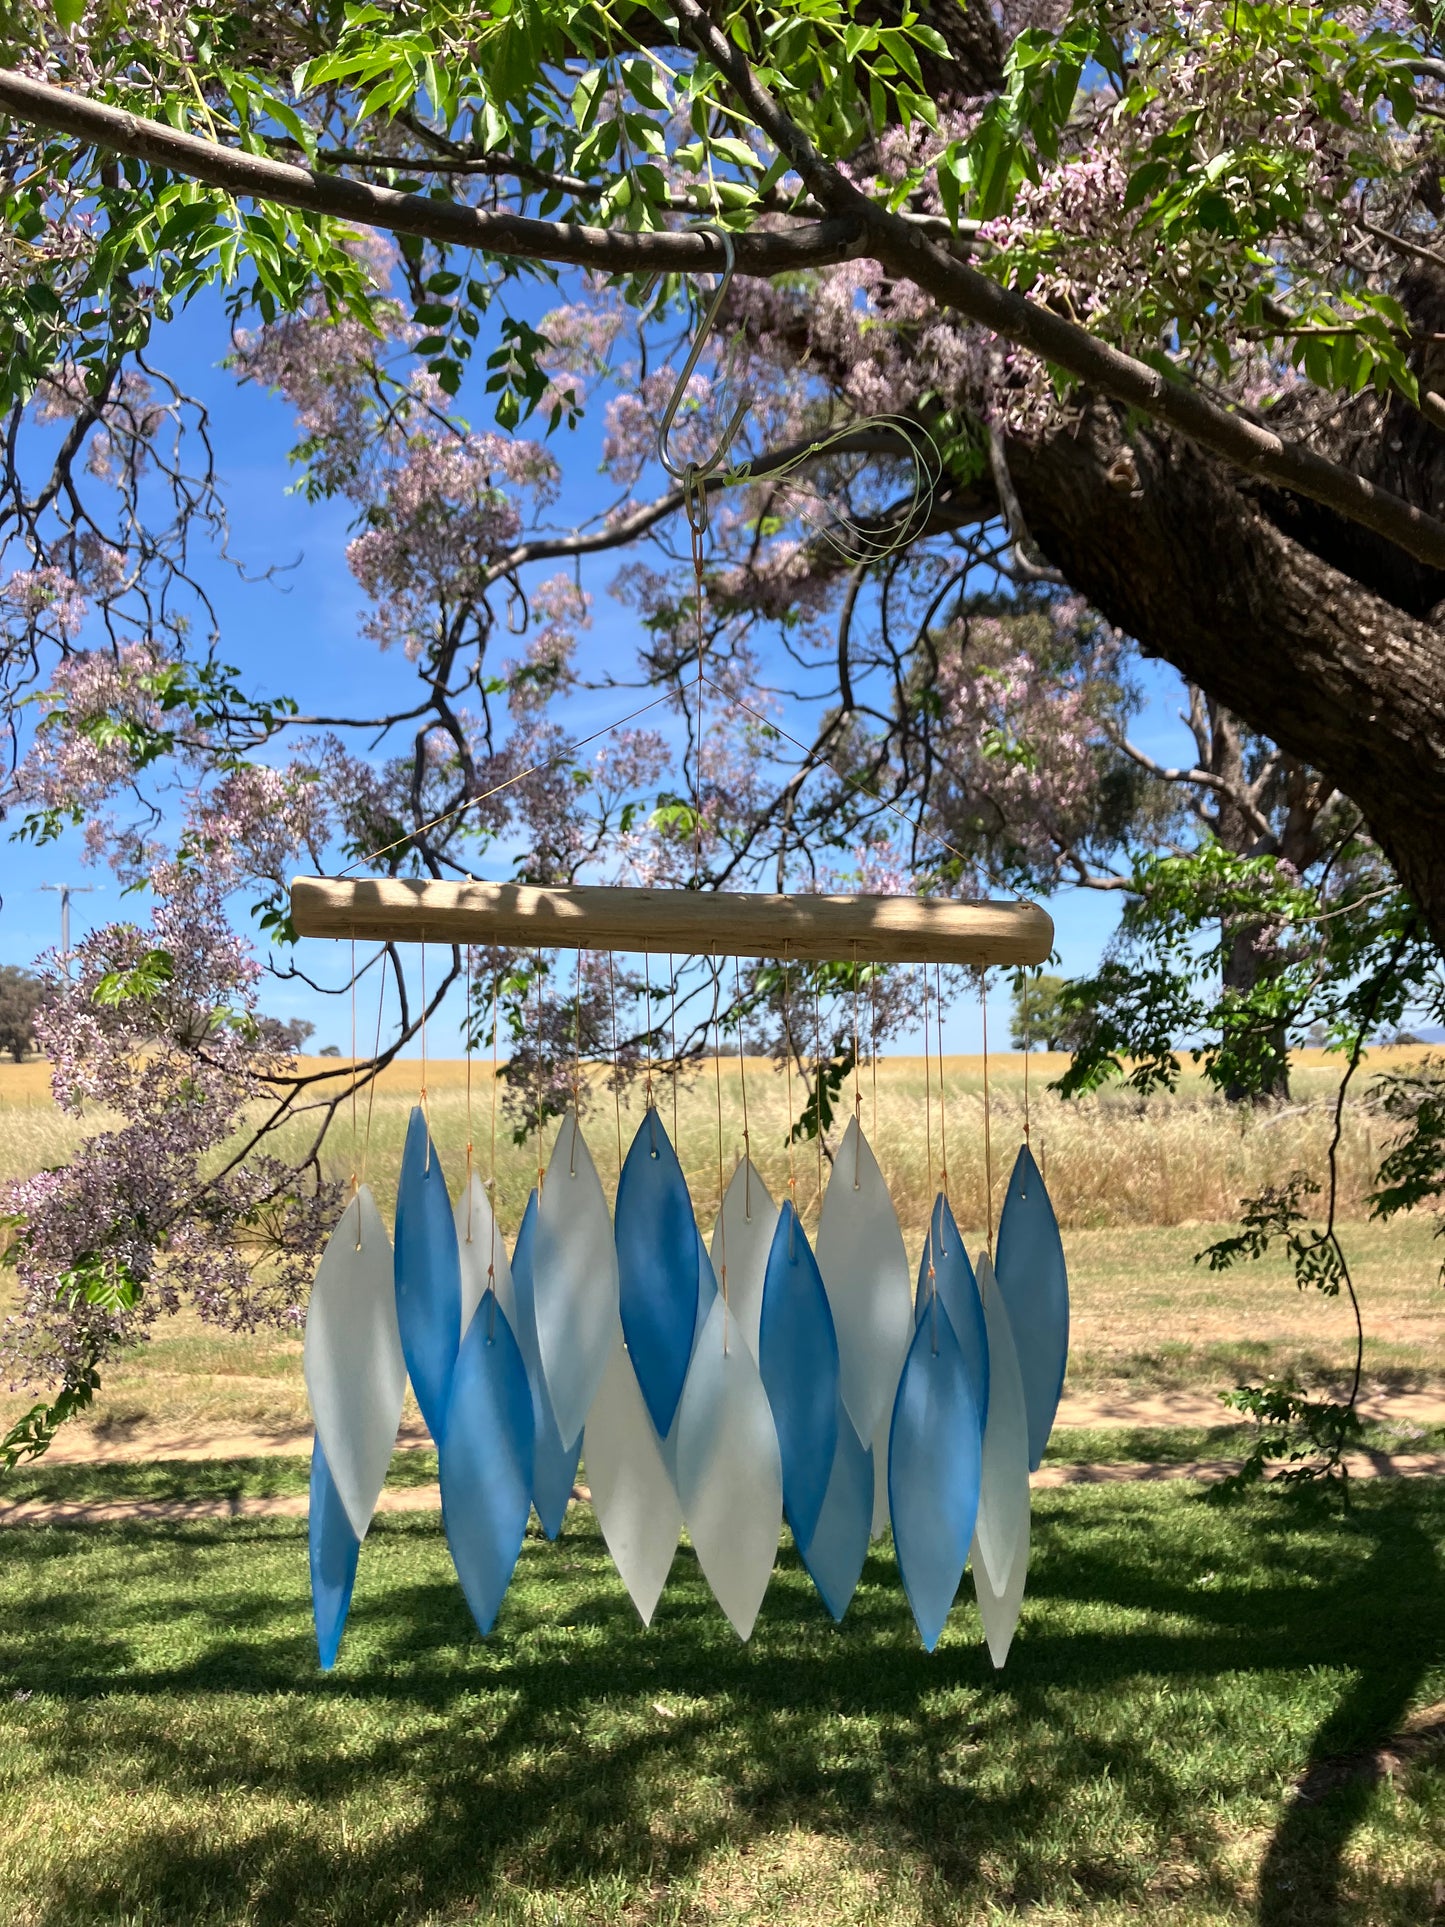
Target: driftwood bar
[684,922]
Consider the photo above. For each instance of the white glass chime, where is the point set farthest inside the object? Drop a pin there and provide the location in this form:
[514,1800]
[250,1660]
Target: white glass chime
[816,1387]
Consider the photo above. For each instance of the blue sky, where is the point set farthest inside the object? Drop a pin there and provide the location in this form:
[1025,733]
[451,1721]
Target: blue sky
[298,632]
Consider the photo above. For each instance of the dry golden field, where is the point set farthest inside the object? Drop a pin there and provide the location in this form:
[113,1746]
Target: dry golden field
[1139,1189]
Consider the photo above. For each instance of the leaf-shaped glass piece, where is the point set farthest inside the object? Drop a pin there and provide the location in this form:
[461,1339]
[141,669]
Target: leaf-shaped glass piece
[880,1475]
[1035,1287]
[355,1372]
[1000,1611]
[574,1280]
[1003,1493]
[706,1292]
[632,1490]
[428,1276]
[482,1254]
[743,1234]
[656,1237]
[554,1462]
[934,1455]
[798,1359]
[485,1461]
[957,1289]
[865,1270]
[834,1555]
[729,1474]
[334,1547]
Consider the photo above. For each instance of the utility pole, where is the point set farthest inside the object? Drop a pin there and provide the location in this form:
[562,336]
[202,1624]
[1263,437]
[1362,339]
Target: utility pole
[66,892]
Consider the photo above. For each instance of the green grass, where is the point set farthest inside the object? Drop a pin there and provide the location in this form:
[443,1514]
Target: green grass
[160,1479]
[169,1752]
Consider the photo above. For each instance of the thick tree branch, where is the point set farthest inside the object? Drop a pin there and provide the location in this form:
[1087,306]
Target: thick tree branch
[857,227]
[820,244]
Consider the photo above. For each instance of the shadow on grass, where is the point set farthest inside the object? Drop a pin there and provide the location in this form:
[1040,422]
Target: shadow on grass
[573,1753]
[1300,1881]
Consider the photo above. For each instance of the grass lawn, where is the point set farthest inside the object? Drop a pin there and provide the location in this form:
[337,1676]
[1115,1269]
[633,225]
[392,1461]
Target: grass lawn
[169,1752]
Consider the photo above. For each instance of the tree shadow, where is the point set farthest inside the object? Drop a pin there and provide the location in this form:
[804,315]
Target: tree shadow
[1300,1880]
[564,1753]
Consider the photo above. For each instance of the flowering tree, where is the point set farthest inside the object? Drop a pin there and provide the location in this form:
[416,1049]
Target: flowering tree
[1156,290]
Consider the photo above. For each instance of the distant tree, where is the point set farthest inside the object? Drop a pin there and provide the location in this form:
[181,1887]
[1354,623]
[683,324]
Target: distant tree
[331,1050]
[289,1035]
[1040,1017]
[20,993]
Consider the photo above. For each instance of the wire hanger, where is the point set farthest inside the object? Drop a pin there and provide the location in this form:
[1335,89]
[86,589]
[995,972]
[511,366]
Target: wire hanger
[691,473]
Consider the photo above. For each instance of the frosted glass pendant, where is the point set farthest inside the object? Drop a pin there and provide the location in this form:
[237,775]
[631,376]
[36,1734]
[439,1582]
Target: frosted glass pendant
[632,1489]
[656,1237]
[880,1475]
[706,1292]
[1002,1530]
[934,1459]
[355,1372]
[744,1234]
[729,1473]
[1000,1611]
[428,1276]
[798,1359]
[482,1254]
[485,1461]
[334,1547]
[957,1290]
[554,1462]
[835,1554]
[1035,1287]
[574,1280]
[865,1270]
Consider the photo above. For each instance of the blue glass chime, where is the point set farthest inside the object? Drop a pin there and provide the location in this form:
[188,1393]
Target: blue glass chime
[723,1389]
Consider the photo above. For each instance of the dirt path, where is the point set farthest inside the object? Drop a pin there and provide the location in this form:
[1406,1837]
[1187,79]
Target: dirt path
[427,1498]
[141,1444]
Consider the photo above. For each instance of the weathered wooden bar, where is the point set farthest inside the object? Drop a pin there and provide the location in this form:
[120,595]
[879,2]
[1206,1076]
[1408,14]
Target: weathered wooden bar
[684,922]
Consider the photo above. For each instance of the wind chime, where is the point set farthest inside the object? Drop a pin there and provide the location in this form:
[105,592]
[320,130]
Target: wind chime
[724,1384]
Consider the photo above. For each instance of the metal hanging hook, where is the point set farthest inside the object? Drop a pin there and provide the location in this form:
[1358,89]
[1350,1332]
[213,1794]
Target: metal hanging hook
[692,473]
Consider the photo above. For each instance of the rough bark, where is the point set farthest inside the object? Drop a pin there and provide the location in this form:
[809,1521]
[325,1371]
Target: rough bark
[1172,548]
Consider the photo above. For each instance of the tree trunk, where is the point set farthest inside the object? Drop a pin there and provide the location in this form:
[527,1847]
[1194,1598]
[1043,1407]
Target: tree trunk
[1193,561]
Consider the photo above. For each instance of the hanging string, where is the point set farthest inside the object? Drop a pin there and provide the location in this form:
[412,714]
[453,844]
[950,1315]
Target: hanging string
[788,1061]
[743,1085]
[616,1069]
[873,1038]
[541,1172]
[987,1139]
[492,1174]
[695,503]
[818,1059]
[942,1093]
[576,1061]
[927,1087]
[1028,1051]
[857,1080]
[376,1052]
[566,755]
[649,1101]
[355,1181]
[425,1112]
[928,1145]
[672,985]
[722,1229]
[467,1037]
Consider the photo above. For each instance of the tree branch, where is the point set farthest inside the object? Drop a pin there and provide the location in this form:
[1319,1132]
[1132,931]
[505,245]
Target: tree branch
[953,284]
[856,227]
[254,176]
